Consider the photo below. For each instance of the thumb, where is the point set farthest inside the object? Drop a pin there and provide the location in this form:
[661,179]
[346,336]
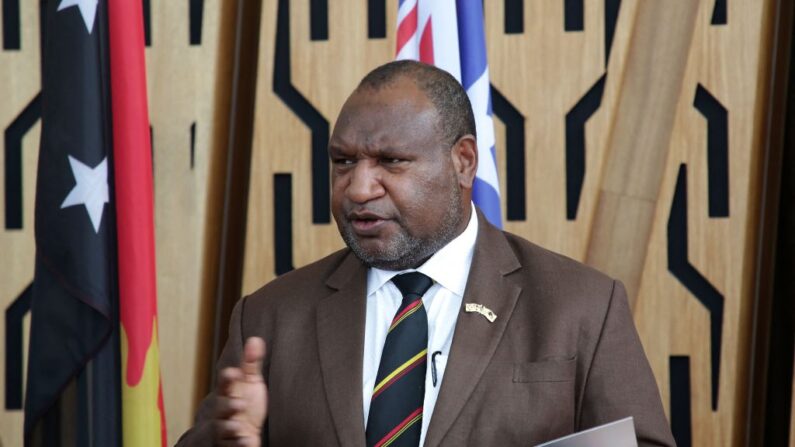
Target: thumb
[253,353]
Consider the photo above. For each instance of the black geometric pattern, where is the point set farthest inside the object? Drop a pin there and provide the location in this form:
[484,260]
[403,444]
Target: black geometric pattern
[691,278]
[307,113]
[13,136]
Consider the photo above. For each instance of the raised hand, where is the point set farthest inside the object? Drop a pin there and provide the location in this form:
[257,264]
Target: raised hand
[242,399]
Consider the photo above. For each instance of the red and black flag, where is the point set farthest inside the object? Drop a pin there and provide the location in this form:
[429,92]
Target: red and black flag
[94,228]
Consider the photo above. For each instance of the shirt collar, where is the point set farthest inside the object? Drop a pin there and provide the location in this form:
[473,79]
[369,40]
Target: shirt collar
[449,266]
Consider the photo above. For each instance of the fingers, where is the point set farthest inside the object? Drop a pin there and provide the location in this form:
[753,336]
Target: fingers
[250,365]
[248,441]
[226,381]
[253,353]
[229,433]
[241,398]
[227,407]
[228,429]
[231,427]
[239,442]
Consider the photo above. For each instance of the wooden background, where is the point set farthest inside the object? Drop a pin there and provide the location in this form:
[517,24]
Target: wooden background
[629,136]
[20,83]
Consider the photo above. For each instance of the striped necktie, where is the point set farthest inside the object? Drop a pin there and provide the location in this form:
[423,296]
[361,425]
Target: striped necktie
[395,417]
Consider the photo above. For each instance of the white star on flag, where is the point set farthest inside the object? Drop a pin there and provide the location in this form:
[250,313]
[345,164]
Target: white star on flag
[88,9]
[91,189]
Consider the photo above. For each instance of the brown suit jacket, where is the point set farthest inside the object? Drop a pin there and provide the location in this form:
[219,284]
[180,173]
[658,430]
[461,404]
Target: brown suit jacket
[562,356]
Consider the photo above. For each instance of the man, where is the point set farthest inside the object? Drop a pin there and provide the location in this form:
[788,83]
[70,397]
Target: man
[432,327]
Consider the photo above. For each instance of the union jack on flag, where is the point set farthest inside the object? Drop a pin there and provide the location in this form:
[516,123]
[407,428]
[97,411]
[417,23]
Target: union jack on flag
[449,34]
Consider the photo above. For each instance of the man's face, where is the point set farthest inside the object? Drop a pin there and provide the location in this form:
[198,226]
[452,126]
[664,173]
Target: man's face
[396,193]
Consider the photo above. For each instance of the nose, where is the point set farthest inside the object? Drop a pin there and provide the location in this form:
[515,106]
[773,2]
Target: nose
[365,183]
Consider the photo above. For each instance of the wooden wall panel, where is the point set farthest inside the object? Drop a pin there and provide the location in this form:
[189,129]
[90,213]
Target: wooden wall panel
[695,302]
[20,123]
[637,138]
[189,73]
[599,103]
[573,64]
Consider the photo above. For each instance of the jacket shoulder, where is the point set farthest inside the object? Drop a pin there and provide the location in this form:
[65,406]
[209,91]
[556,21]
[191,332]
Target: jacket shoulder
[305,282]
[538,256]
[568,277]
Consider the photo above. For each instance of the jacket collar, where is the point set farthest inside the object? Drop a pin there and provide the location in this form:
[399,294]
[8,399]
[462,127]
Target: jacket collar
[340,331]
[476,338]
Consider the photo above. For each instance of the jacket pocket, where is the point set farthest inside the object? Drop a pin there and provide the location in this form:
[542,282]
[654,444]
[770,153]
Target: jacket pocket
[550,370]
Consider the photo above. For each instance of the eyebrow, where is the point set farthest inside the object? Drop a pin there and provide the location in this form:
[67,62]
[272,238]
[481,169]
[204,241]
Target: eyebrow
[334,147]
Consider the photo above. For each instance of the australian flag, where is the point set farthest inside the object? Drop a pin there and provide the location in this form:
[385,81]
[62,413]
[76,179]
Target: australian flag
[74,337]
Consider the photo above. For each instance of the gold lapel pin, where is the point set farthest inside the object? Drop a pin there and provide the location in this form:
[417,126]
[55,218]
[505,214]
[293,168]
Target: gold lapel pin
[481,309]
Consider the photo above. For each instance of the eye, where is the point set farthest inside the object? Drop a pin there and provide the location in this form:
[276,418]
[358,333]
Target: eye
[392,161]
[343,161]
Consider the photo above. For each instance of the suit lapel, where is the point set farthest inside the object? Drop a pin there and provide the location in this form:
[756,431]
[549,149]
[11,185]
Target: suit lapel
[340,331]
[475,338]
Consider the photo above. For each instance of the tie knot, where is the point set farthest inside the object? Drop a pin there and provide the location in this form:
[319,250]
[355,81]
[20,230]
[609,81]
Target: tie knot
[414,283]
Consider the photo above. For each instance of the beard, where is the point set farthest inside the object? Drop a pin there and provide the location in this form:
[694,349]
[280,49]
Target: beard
[406,250]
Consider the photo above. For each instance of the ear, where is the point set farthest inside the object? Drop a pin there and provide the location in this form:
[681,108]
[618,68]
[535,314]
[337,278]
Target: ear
[465,160]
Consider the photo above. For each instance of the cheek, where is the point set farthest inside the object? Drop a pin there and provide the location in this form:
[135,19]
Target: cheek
[422,199]
[337,195]
[339,181]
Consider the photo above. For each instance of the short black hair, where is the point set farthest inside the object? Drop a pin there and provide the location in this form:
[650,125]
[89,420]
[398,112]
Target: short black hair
[444,91]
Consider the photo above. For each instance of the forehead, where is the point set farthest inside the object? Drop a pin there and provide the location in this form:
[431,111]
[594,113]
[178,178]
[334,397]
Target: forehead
[396,112]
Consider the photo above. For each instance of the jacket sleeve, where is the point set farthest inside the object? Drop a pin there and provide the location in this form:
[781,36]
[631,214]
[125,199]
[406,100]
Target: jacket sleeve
[620,382]
[201,434]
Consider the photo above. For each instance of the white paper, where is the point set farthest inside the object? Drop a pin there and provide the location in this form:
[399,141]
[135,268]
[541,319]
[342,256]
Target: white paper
[619,433]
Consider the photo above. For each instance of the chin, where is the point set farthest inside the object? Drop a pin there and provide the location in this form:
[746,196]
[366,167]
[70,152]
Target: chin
[377,257]
[389,252]
[398,264]
[383,259]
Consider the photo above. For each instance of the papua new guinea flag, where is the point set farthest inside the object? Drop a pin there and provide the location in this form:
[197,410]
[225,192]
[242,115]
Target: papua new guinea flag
[94,303]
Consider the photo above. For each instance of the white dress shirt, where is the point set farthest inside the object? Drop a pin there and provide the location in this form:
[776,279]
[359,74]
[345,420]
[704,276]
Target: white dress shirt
[449,270]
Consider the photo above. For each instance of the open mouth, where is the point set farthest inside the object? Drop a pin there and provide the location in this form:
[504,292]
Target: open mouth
[366,224]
